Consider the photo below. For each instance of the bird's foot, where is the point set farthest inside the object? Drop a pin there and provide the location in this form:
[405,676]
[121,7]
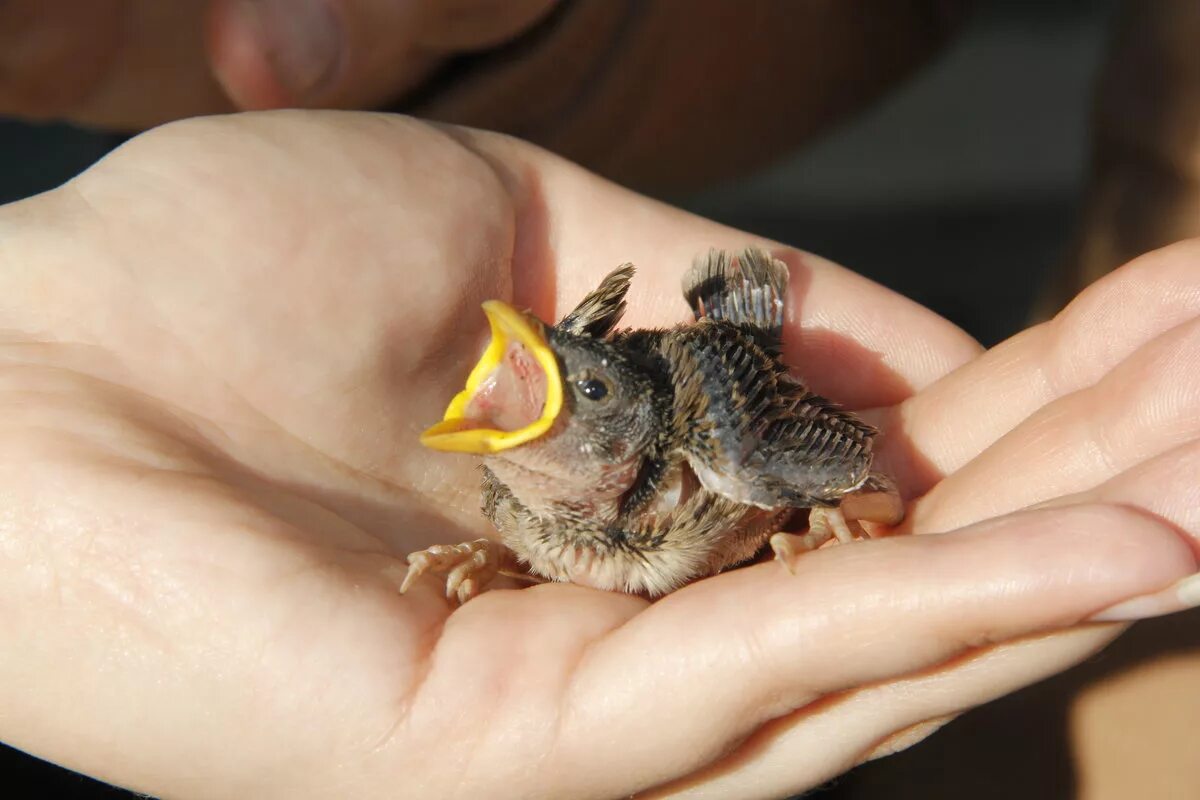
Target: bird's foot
[877,503]
[786,546]
[469,567]
[831,523]
[824,524]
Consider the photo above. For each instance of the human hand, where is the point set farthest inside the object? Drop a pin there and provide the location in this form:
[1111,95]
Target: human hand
[220,346]
[135,63]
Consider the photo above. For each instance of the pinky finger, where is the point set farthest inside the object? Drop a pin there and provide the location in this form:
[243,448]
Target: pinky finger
[815,745]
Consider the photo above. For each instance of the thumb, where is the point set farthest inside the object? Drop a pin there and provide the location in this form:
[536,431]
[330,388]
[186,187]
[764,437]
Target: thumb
[349,53]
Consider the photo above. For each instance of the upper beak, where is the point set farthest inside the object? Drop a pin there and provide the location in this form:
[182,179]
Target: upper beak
[456,432]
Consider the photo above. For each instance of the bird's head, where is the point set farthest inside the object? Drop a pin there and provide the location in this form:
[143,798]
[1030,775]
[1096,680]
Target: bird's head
[565,402]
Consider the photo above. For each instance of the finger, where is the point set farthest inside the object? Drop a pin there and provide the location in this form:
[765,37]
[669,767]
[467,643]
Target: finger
[815,745]
[963,414]
[719,659]
[348,53]
[784,755]
[1166,488]
[1146,405]
[850,338]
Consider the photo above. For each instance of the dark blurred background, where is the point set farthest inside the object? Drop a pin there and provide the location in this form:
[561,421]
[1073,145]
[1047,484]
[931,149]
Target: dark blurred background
[959,190]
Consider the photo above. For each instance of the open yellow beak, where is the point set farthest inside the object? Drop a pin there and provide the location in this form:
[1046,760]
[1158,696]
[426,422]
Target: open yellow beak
[455,432]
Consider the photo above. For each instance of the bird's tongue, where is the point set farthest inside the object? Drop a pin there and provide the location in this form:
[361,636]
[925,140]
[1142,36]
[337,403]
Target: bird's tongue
[511,396]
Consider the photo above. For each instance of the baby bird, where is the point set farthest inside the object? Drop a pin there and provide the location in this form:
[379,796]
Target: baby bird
[642,460]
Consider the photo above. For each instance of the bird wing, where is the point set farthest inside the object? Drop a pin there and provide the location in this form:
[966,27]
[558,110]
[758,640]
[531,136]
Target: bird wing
[753,433]
[747,289]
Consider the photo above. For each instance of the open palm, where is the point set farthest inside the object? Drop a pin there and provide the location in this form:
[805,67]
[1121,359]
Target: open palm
[219,346]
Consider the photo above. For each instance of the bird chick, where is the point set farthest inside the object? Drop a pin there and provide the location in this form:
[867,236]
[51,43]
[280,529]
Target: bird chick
[641,460]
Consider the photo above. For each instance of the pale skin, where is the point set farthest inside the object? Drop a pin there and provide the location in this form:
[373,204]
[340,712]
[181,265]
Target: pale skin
[221,343]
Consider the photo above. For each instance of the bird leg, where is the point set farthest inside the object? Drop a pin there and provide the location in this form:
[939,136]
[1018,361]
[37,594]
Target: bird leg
[786,546]
[832,522]
[881,506]
[469,567]
[823,524]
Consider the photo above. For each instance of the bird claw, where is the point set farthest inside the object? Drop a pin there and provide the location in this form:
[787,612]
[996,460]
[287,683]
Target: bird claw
[469,567]
[832,523]
[824,524]
[786,546]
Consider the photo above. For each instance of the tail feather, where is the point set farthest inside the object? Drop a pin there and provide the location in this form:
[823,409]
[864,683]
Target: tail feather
[746,289]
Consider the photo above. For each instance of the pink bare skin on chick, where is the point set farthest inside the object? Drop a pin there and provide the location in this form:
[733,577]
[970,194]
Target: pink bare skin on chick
[512,395]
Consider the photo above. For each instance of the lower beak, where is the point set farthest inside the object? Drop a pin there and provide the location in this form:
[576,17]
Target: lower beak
[457,432]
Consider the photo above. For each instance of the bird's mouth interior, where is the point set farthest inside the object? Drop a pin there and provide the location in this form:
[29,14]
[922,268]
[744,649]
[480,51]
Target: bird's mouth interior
[513,395]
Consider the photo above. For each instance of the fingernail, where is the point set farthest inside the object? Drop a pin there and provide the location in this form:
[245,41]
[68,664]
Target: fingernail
[1180,597]
[302,40]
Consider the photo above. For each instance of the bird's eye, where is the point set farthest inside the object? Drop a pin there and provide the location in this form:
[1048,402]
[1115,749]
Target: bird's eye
[593,389]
